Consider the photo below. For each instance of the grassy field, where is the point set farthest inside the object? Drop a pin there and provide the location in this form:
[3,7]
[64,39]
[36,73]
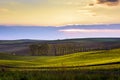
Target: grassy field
[94,65]
[93,59]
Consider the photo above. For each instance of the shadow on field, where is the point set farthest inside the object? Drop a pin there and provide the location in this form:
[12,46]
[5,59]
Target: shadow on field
[112,74]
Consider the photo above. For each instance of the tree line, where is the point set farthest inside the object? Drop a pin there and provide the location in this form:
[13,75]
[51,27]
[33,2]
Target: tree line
[45,49]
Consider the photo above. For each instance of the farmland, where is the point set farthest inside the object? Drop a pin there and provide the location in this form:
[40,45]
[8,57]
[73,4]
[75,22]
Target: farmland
[98,64]
[81,65]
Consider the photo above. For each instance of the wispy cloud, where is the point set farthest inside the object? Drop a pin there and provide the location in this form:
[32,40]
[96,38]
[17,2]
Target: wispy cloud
[90,30]
[109,2]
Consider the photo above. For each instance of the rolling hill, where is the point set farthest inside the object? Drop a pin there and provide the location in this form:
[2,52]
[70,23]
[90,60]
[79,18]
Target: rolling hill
[109,59]
[89,65]
[21,47]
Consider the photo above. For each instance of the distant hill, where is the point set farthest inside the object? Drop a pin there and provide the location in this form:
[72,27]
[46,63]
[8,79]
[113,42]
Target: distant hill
[21,47]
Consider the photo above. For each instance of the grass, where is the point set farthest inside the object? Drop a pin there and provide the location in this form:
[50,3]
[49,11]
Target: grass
[62,75]
[94,65]
[95,59]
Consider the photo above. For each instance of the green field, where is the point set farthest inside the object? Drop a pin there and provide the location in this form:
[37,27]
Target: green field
[90,60]
[94,65]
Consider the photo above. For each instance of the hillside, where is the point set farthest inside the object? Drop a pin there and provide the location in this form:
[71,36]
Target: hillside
[21,47]
[85,60]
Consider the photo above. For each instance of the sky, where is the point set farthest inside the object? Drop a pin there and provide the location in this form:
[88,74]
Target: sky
[59,19]
[64,32]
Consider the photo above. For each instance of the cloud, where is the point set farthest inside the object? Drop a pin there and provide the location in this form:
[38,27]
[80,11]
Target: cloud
[90,30]
[108,2]
[91,4]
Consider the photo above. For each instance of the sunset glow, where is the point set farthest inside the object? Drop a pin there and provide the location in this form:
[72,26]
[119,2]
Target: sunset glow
[58,12]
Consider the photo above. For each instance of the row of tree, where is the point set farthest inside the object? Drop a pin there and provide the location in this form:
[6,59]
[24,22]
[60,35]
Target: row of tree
[66,48]
[39,49]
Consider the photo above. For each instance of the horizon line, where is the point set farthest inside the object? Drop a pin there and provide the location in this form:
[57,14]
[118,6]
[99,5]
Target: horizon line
[17,25]
[66,38]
